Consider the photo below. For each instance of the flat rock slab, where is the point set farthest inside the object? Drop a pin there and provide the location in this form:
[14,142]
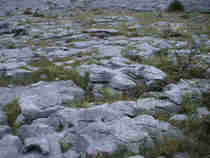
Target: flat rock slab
[43,98]
[10,146]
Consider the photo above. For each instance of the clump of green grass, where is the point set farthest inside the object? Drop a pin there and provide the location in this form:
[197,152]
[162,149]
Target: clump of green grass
[85,17]
[54,72]
[110,97]
[149,31]
[162,116]
[175,6]
[11,45]
[169,147]
[204,49]
[65,146]
[122,152]
[126,31]
[51,72]
[205,100]
[59,127]
[147,17]
[12,110]
[189,104]
[196,129]
[181,69]
[184,67]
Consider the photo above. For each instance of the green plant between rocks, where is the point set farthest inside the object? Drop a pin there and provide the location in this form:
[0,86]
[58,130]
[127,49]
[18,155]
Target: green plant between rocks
[12,110]
[64,145]
[175,6]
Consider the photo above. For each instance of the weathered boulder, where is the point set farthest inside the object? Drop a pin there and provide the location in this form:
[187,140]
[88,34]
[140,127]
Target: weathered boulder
[107,136]
[152,76]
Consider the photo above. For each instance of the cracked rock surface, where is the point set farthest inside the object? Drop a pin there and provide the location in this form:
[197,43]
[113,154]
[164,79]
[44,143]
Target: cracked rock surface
[82,83]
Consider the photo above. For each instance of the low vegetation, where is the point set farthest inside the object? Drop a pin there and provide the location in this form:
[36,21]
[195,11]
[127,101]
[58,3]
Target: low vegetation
[12,110]
[64,145]
[196,129]
[176,5]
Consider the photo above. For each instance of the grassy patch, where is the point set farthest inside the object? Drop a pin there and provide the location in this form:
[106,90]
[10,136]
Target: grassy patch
[122,152]
[11,45]
[64,145]
[12,110]
[40,43]
[85,17]
[110,97]
[147,18]
[205,101]
[181,69]
[189,104]
[169,147]
[48,72]
[196,129]
[185,67]
[162,116]
[53,72]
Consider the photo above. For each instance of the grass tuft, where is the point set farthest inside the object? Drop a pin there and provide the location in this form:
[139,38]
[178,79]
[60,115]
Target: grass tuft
[12,110]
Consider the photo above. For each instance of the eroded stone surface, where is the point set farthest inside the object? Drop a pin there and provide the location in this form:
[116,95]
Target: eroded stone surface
[124,93]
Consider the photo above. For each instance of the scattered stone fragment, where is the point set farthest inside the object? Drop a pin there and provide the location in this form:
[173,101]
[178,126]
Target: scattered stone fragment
[178,117]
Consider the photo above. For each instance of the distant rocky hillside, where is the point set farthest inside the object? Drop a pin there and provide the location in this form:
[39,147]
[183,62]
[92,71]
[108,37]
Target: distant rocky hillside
[147,5]
[11,6]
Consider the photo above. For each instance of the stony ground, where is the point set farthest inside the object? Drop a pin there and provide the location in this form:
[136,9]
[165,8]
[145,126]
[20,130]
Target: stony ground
[105,84]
